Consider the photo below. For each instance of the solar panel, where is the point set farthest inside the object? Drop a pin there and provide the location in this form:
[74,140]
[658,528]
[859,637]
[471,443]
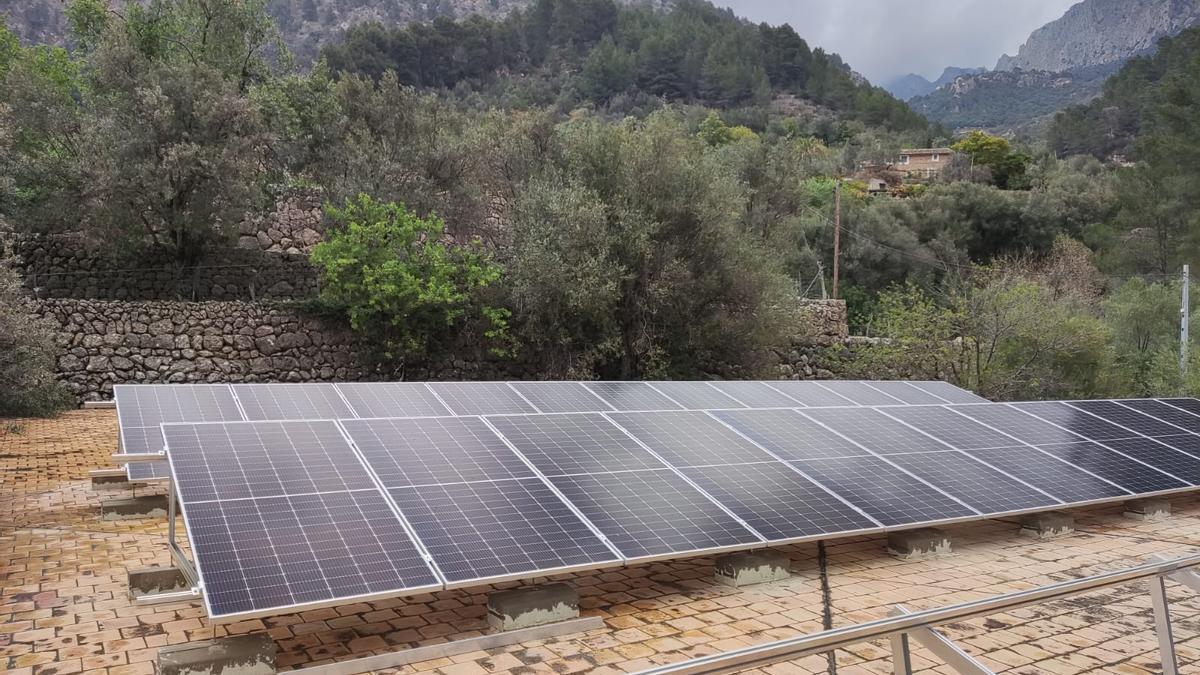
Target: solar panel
[949,392]
[860,393]
[875,430]
[1184,443]
[905,392]
[1164,458]
[561,397]
[1115,467]
[789,435]
[1127,417]
[984,488]
[274,554]
[1075,420]
[1065,481]
[653,513]
[890,496]
[631,396]
[777,502]
[481,398]
[148,472]
[141,408]
[239,460]
[811,394]
[489,531]
[573,444]
[696,395]
[432,450]
[755,394]
[1013,422]
[309,401]
[690,438]
[392,399]
[1189,404]
[1167,413]
[950,427]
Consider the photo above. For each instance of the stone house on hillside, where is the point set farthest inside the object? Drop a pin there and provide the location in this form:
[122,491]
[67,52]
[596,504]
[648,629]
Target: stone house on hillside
[923,163]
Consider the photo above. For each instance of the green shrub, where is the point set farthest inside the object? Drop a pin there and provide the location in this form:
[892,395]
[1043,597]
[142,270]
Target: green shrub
[27,354]
[402,288]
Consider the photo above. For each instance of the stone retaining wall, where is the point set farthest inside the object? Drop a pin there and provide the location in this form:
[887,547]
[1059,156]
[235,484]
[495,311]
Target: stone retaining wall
[104,343]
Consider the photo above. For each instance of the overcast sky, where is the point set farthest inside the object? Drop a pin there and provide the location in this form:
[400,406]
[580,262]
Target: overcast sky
[886,38]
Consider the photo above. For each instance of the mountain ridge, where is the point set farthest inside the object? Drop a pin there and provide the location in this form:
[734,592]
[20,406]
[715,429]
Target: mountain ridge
[913,85]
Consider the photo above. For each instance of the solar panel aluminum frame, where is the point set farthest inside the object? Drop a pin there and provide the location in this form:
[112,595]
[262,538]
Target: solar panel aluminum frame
[198,571]
[121,457]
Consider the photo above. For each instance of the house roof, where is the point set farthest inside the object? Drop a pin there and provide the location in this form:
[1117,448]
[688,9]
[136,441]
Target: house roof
[927,151]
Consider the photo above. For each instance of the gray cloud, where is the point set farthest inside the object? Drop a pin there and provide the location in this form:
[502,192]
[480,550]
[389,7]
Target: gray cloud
[885,38]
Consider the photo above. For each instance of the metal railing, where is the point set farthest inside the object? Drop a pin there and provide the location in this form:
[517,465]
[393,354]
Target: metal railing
[920,624]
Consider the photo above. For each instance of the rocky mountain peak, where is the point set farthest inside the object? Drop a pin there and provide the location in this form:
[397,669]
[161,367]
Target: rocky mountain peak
[1096,32]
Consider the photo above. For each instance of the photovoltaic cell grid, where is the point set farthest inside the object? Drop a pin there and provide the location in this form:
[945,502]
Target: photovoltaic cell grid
[309,401]
[141,409]
[392,399]
[723,490]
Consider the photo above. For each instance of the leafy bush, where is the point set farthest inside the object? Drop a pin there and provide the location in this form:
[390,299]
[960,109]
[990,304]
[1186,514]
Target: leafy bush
[27,354]
[400,285]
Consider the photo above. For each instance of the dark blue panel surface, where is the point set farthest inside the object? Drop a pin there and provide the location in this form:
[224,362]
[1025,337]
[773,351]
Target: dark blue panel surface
[432,450]
[222,461]
[982,487]
[756,394]
[811,394]
[696,395]
[690,438]
[884,492]
[790,435]
[949,392]
[1065,481]
[1167,413]
[947,425]
[312,401]
[392,399]
[1128,418]
[561,397]
[1180,465]
[481,398]
[1189,404]
[148,471]
[1122,470]
[906,393]
[1013,422]
[576,443]
[1073,419]
[276,553]
[631,396]
[649,513]
[477,531]
[875,430]
[778,502]
[860,393]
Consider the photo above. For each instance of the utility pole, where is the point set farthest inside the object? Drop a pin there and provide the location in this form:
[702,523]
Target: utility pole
[837,233]
[1185,315]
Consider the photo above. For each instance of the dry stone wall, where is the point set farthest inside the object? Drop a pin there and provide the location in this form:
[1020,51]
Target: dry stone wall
[106,342]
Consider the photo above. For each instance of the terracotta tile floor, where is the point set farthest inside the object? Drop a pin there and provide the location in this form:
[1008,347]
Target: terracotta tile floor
[64,605]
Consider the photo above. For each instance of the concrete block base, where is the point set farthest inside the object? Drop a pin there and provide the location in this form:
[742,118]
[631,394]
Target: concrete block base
[154,580]
[757,567]
[1148,509]
[106,479]
[99,405]
[925,542]
[1047,525]
[241,655]
[535,606]
[135,508]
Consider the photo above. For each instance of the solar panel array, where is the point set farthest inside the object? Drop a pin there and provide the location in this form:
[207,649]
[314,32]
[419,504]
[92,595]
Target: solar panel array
[141,408]
[443,500]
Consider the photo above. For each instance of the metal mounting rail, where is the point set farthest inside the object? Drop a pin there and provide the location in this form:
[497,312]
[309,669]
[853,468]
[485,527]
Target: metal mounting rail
[793,648]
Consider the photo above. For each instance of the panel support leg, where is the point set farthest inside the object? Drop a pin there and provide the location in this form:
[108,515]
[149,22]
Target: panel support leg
[1162,626]
[901,663]
[941,646]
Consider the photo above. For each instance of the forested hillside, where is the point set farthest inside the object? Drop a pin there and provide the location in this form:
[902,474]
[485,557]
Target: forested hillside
[620,57]
[617,192]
